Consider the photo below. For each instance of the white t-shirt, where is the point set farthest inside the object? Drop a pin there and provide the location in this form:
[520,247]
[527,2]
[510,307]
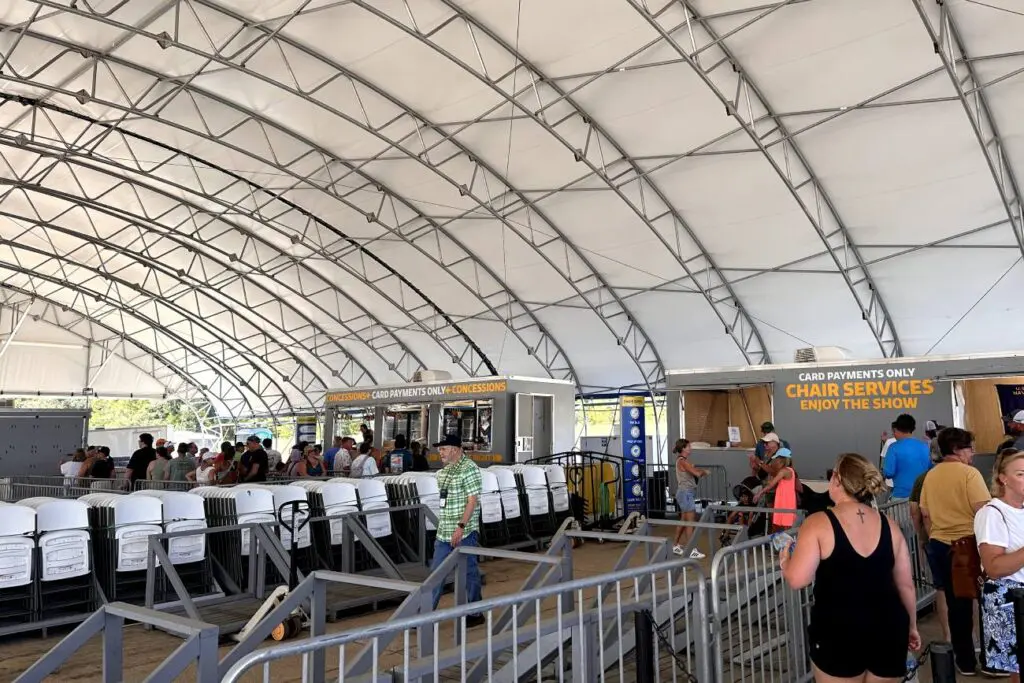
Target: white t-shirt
[273,459]
[205,476]
[1004,530]
[70,471]
[885,449]
[364,466]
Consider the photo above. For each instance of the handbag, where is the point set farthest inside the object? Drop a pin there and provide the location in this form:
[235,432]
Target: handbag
[966,569]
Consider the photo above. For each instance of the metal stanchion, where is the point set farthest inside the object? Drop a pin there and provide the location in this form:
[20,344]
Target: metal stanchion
[943,666]
[644,627]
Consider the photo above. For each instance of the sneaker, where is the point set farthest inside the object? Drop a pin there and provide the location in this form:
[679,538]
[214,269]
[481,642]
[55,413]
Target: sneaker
[475,620]
[989,672]
[973,672]
[678,549]
[697,555]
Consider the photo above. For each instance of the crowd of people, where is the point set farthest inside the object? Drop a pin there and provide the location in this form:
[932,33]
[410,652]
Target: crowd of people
[970,532]
[251,461]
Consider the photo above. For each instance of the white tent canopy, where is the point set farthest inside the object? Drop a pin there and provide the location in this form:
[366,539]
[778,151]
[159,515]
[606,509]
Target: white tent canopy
[251,201]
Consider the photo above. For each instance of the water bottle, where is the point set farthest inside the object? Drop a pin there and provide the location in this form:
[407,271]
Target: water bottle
[911,668]
[782,541]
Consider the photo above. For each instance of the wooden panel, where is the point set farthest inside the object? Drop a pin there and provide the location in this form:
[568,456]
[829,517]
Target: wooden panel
[708,414]
[981,411]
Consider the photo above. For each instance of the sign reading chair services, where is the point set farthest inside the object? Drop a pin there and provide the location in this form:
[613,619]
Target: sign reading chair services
[895,388]
[825,411]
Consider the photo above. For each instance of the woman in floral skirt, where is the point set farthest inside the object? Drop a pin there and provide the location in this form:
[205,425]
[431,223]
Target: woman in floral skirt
[999,528]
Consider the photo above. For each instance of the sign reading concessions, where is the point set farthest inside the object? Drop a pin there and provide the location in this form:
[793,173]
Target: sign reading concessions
[824,411]
[634,455]
[895,388]
[419,392]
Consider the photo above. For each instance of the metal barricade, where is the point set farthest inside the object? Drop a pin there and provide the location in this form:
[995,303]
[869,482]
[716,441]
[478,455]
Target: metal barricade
[715,485]
[759,624]
[899,512]
[583,630]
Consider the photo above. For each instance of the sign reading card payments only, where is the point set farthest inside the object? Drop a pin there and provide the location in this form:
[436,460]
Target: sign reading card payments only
[888,388]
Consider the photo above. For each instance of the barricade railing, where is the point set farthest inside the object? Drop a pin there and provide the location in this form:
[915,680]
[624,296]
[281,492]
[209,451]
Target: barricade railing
[759,624]
[899,512]
[715,485]
[575,631]
[199,648]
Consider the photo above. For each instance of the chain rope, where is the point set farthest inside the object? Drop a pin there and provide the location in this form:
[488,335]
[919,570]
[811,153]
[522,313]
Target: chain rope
[667,643]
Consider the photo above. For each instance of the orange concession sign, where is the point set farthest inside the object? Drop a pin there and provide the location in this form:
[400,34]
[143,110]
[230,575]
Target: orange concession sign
[419,392]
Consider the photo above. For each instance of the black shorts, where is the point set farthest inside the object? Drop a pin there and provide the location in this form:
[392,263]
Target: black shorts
[845,652]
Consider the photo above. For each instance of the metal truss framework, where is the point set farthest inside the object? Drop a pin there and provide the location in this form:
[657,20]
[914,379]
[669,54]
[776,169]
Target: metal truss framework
[421,231]
[727,75]
[557,251]
[192,240]
[950,48]
[188,202]
[87,324]
[131,169]
[104,343]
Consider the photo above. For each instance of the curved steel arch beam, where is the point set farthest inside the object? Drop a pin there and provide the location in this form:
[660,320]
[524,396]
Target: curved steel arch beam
[192,242]
[81,299]
[51,317]
[67,151]
[147,297]
[738,323]
[633,340]
[947,43]
[542,346]
[153,263]
[797,175]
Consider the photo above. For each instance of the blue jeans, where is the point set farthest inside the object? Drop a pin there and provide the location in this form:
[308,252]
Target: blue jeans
[443,549]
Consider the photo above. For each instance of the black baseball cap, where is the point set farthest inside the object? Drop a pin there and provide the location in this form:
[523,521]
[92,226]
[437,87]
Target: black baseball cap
[449,440]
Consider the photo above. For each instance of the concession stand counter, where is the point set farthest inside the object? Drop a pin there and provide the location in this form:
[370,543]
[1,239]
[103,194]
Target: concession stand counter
[499,419]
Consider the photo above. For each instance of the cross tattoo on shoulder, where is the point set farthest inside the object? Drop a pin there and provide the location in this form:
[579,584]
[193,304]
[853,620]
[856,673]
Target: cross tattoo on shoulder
[860,513]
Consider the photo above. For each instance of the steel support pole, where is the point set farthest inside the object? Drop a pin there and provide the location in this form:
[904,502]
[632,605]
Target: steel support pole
[644,628]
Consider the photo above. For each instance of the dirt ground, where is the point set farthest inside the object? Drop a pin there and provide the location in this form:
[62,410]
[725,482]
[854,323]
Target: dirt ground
[144,650]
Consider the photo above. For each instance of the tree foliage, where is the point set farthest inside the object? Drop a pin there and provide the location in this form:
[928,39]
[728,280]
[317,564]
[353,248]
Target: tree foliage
[115,413]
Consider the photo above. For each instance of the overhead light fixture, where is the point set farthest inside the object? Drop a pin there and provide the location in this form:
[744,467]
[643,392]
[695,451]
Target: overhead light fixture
[83,97]
[164,40]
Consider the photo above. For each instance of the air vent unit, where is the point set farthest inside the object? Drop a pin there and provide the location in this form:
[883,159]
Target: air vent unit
[431,376]
[821,354]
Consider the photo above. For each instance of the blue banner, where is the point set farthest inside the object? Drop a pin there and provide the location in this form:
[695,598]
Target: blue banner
[634,454]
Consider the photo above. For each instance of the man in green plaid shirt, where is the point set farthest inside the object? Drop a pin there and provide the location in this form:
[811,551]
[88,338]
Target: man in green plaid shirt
[458,484]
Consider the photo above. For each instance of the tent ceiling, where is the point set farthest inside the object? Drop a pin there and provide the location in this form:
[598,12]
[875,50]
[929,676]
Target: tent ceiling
[253,201]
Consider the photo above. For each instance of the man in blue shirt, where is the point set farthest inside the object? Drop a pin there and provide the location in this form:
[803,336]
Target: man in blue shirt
[332,452]
[907,459]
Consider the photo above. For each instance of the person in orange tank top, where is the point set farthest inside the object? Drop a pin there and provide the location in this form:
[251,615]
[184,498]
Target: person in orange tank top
[784,484]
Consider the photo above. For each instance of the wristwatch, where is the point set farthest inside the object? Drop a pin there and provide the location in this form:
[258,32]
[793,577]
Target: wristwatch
[462,525]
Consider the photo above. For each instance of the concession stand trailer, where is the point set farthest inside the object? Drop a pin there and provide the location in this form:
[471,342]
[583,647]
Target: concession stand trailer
[499,419]
[823,409]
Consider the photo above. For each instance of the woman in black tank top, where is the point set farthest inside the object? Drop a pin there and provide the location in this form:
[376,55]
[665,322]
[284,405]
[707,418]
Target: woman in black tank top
[864,616]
